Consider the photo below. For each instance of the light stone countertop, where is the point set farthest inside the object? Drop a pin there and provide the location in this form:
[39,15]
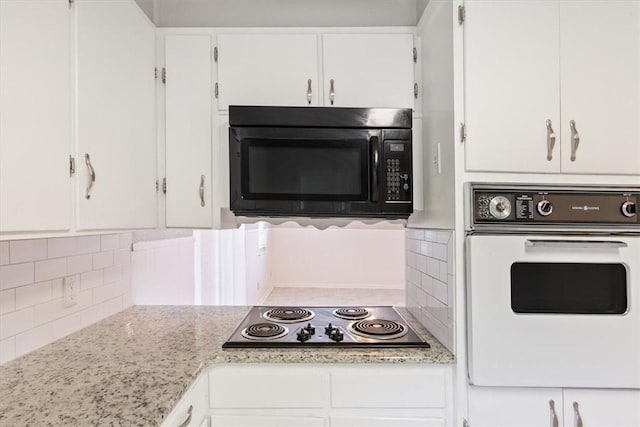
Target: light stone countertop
[132,368]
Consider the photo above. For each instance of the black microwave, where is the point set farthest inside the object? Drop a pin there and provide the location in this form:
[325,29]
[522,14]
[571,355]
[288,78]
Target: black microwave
[320,162]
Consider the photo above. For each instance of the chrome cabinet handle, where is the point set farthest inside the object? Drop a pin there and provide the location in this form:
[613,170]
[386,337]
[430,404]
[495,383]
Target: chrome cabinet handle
[202,190]
[551,140]
[332,91]
[603,244]
[554,417]
[575,140]
[186,422]
[92,176]
[309,92]
[577,419]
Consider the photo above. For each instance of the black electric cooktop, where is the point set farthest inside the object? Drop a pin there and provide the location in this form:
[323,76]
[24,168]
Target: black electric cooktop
[284,326]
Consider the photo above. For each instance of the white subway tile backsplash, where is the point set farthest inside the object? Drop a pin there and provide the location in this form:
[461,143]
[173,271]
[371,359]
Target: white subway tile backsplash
[32,339]
[7,350]
[62,246]
[91,279]
[4,253]
[7,301]
[27,250]
[422,263]
[50,269]
[16,275]
[109,242]
[15,322]
[31,278]
[431,299]
[440,251]
[88,244]
[79,264]
[27,296]
[102,260]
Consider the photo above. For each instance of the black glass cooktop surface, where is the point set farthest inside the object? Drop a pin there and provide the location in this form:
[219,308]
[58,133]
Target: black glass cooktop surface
[288,326]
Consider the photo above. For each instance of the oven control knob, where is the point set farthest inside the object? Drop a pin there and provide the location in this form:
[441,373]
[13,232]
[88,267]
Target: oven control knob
[544,207]
[500,207]
[629,209]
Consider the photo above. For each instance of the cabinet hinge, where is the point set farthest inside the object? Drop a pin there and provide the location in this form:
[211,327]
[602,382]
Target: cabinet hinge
[465,423]
[157,185]
[461,14]
[415,90]
[155,73]
[415,55]
[463,133]
[215,54]
[71,3]
[164,75]
[215,90]
[72,165]
[164,185]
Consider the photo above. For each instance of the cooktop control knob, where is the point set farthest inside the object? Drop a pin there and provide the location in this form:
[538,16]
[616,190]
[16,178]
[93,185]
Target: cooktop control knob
[629,209]
[310,329]
[337,335]
[500,207]
[303,335]
[544,207]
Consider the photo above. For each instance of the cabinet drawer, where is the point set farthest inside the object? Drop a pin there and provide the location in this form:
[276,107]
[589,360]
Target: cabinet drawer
[386,422]
[264,421]
[388,388]
[266,387]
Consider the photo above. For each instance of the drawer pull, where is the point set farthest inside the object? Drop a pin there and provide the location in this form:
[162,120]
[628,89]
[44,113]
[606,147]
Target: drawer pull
[554,416]
[187,421]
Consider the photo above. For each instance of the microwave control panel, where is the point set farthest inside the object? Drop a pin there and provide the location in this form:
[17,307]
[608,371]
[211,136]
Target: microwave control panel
[555,206]
[397,167]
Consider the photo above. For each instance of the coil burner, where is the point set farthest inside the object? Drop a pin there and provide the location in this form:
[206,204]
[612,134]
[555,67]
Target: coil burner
[288,314]
[380,329]
[264,331]
[352,313]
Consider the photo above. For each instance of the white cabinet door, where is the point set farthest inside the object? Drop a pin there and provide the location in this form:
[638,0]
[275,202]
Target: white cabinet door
[188,102]
[35,116]
[352,421]
[267,69]
[511,85]
[116,116]
[510,407]
[601,408]
[368,70]
[600,81]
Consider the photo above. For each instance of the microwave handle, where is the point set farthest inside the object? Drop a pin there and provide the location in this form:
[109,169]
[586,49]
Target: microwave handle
[575,244]
[374,144]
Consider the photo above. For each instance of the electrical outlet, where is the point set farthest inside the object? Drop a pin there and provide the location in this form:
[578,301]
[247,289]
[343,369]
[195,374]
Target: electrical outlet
[69,292]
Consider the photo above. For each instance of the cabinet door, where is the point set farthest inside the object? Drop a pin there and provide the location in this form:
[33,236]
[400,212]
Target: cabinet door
[188,130]
[601,408]
[509,407]
[267,69]
[353,421]
[511,82]
[35,116]
[368,70]
[116,116]
[600,80]
[265,421]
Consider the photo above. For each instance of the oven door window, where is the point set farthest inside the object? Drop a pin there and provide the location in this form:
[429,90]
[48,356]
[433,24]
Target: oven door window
[568,288]
[305,169]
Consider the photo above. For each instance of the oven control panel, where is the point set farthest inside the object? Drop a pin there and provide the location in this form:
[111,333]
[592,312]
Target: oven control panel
[554,206]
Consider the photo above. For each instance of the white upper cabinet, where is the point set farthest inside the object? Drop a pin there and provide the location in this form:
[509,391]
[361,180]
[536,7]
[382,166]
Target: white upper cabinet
[35,116]
[116,116]
[600,80]
[511,85]
[552,86]
[188,105]
[267,69]
[368,70]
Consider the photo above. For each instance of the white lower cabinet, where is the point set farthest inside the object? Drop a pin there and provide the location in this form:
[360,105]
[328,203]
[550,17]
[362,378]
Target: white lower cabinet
[192,409]
[554,407]
[297,395]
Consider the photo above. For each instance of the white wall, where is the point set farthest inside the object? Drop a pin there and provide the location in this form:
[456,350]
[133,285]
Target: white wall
[355,257]
[31,275]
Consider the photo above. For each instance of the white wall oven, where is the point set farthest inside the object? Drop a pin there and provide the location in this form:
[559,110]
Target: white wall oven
[553,286]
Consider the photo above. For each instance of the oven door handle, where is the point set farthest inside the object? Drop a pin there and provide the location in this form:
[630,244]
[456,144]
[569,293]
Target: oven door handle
[591,244]
[374,144]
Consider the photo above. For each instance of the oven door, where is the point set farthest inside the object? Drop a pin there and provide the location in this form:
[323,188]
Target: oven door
[553,311]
